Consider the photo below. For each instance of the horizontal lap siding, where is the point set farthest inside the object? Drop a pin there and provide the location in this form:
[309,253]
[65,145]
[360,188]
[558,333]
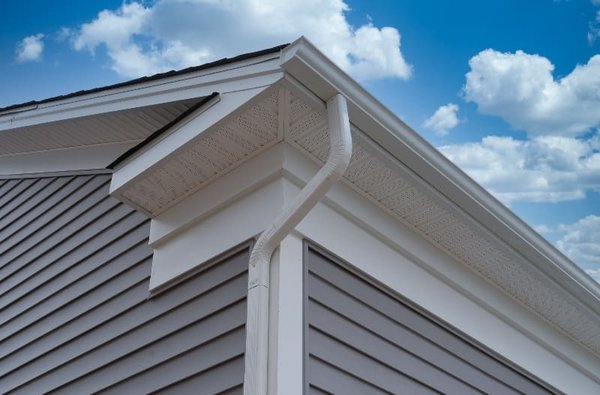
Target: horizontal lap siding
[362,340]
[74,310]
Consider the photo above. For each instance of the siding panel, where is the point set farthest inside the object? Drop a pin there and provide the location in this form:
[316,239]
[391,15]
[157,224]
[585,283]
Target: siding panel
[11,190]
[218,380]
[60,209]
[368,341]
[74,310]
[28,199]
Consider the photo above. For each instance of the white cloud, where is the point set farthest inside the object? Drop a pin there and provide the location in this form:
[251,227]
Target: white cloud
[543,229]
[30,48]
[594,27]
[521,89]
[543,169]
[443,119]
[169,34]
[116,30]
[581,242]
[594,273]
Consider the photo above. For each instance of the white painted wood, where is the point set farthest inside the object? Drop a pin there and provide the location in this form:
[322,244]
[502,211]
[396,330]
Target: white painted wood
[95,157]
[286,330]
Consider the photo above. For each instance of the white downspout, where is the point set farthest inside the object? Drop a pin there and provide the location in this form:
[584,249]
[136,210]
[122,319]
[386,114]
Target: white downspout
[257,323]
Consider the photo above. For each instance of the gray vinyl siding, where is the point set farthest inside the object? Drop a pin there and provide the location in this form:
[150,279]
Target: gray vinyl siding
[361,339]
[75,316]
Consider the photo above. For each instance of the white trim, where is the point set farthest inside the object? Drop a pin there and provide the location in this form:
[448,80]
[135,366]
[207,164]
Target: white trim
[239,75]
[175,235]
[402,274]
[320,76]
[257,325]
[75,159]
[66,173]
[203,241]
[405,261]
[187,129]
[414,263]
[394,255]
[286,330]
[181,134]
[241,181]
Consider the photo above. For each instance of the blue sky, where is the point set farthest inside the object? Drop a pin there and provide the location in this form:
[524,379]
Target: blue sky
[507,89]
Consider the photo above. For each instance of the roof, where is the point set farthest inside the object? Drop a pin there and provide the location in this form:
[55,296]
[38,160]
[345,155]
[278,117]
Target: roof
[136,81]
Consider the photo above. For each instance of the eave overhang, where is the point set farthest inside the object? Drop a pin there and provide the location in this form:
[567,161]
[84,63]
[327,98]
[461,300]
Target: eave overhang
[305,63]
[86,131]
[392,167]
[279,97]
[524,264]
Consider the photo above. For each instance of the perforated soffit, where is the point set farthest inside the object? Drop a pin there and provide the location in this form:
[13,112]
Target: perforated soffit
[383,181]
[113,127]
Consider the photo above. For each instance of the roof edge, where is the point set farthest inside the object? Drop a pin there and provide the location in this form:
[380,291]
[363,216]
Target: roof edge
[443,175]
[19,107]
[190,112]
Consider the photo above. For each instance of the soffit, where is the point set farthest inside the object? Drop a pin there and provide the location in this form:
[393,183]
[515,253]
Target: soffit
[387,183]
[131,125]
[215,152]
[279,114]
[142,80]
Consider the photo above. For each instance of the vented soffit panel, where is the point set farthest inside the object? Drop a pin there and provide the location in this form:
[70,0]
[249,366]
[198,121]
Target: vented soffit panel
[126,126]
[278,114]
[210,142]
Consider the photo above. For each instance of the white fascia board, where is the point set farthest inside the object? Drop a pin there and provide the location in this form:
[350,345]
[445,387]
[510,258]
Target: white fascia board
[181,134]
[236,76]
[320,76]
[80,159]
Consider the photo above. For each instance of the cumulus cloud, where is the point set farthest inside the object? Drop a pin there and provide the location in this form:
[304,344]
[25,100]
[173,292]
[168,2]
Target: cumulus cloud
[118,32]
[443,119]
[543,169]
[581,243]
[521,89]
[170,34]
[30,48]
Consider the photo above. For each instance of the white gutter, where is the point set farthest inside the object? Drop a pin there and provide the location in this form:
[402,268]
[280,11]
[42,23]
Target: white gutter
[387,130]
[257,324]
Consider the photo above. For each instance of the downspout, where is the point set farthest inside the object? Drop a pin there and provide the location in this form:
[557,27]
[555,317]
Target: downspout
[257,324]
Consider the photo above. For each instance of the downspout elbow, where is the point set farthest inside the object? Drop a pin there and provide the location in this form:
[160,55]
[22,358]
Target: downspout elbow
[257,325]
